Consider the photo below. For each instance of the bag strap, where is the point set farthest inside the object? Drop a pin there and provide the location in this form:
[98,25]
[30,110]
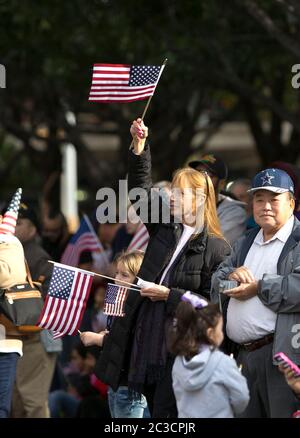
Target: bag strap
[29,278]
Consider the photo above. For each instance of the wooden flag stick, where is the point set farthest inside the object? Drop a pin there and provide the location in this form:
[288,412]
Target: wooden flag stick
[150,97]
[94,273]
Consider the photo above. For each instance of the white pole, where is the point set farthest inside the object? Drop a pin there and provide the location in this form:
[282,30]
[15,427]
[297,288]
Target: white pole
[69,205]
[2,76]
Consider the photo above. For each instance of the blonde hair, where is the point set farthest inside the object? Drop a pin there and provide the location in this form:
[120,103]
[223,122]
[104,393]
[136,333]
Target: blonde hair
[131,260]
[195,179]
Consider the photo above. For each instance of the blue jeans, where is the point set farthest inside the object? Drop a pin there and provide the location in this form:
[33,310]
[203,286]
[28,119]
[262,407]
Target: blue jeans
[123,406]
[62,404]
[8,367]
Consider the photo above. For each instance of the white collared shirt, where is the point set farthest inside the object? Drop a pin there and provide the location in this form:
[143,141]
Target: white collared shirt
[251,319]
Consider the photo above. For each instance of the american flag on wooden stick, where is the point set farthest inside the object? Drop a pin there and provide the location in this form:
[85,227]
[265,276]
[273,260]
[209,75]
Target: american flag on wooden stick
[123,82]
[66,300]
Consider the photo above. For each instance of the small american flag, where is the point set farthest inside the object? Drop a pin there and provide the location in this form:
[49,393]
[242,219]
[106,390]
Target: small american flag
[123,83]
[8,225]
[115,300]
[66,300]
[140,239]
[85,239]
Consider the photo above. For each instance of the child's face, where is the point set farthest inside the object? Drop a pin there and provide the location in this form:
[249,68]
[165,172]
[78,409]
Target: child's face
[215,334]
[123,274]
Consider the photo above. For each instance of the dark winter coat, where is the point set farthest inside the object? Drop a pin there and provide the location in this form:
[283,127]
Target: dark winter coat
[192,271]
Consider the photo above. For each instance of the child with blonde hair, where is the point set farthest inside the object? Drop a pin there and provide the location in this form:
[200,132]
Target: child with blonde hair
[121,403]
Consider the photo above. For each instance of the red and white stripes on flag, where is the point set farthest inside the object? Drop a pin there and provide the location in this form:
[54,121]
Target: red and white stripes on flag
[85,239]
[66,300]
[9,221]
[71,255]
[8,225]
[123,82]
[115,300]
[140,239]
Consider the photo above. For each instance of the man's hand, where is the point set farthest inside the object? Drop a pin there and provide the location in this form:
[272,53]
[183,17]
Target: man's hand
[291,380]
[156,293]
[242,275]
[243,292]
[139,134]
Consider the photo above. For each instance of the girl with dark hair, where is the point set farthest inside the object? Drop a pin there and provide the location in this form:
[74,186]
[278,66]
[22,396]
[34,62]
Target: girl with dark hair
[206,382]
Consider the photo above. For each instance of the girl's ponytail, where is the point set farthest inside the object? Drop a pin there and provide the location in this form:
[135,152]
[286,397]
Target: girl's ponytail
[189,330]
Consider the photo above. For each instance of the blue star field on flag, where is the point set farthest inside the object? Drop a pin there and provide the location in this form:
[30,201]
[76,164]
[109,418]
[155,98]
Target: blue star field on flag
[143,75]
[61,283]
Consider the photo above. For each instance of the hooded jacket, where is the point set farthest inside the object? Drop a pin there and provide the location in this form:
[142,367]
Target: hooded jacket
[209,385]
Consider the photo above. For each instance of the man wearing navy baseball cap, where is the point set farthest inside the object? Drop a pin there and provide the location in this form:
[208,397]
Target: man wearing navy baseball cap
[263,311]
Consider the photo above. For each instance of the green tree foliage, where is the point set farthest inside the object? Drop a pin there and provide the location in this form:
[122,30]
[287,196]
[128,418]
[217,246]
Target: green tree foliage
[225,62]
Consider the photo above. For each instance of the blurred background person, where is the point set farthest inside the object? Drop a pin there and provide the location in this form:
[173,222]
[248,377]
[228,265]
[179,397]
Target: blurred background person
[239,189]
[80,385]
[231,213]
[55,234]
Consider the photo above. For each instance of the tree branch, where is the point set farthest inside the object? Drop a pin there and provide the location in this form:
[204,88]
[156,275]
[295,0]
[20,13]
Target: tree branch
[248,92]
[268,24]
[292,6]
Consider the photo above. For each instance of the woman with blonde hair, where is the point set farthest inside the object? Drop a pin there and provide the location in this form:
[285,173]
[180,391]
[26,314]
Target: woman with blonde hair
[183,251]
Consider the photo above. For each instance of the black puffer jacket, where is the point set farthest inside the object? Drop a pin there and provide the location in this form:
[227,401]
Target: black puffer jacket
[199,259]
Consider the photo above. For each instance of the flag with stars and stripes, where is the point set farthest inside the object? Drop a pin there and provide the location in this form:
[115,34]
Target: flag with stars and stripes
[85,239]
[9,221]
[114,300]
[66,300]
[123,83]
[140,239]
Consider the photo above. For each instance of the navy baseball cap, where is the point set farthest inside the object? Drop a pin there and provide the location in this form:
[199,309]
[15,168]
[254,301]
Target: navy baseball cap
[274,180]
